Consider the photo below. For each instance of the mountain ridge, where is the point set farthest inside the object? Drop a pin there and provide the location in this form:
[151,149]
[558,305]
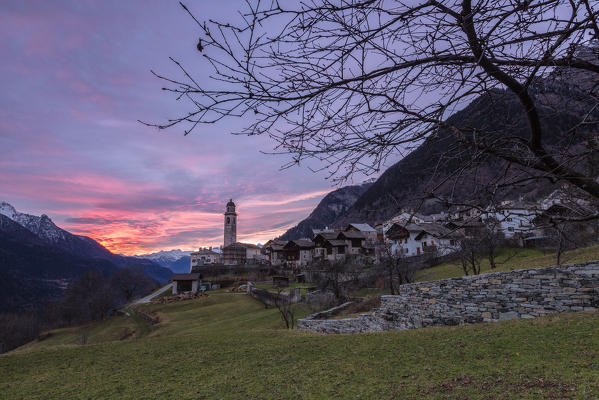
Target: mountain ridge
[407,183]
[43,258]
[33,272]
[331,207]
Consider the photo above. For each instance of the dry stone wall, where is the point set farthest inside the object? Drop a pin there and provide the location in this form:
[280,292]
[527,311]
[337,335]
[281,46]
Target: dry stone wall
[270,299]
[489,297]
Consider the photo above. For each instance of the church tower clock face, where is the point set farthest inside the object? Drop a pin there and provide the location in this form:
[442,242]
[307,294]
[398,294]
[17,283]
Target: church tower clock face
[230,235]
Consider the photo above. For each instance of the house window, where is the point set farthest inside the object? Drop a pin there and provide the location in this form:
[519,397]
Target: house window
[509,219]
[511,229]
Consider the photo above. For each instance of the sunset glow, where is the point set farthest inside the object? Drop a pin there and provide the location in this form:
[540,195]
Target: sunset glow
[71,147]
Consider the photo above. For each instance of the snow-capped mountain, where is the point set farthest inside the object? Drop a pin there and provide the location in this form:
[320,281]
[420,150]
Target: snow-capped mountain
[42,226]
[83,246]
[176,260]
[165,256]
[46,230]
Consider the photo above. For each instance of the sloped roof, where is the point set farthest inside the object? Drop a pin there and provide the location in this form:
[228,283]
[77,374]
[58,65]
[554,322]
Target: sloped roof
[185,277]
[328,235]
[437,230]
[276,245]
[316,231]
[207,252]
[415,227]
[241,245]
[363,227]
[302,243]
[249,246]
[337,242]
[352,235]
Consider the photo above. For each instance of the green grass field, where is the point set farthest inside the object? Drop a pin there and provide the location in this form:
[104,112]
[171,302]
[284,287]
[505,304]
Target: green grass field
[511,259]
[230,346]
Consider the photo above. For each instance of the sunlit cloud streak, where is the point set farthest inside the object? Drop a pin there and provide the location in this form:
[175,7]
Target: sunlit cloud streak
[71,147]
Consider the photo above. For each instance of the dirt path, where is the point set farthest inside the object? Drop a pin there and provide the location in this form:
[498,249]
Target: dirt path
[149,297]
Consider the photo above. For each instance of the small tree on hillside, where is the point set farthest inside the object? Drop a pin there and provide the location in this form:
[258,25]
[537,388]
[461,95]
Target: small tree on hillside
[491,239]
[89,298]
[131,282]
[470,256]
[285,308]
[398,267]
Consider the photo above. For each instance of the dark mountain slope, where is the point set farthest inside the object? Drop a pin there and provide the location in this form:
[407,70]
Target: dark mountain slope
[51,235]
[33,272]
[407,183]
[331,207]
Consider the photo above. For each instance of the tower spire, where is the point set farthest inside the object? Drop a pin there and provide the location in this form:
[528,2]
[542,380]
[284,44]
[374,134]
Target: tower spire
[230,235]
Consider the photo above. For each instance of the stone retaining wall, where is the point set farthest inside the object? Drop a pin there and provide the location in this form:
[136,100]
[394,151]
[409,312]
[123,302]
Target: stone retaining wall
[489,297]
[269,298]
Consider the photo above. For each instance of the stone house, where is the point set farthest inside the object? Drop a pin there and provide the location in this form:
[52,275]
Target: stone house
[328,247]
[355,242]
[242,253]
[298,253]
[275,252]
[320,244]
[186,283]
[253,253]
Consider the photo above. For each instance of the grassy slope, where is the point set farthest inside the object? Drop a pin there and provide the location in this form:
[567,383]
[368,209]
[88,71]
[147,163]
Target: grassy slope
[511,259]
[229,346]
[111,329]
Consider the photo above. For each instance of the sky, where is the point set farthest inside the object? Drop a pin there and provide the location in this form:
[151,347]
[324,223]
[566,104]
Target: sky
[75,78]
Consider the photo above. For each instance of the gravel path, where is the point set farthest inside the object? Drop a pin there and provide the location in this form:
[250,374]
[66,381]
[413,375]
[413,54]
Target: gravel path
[152,295]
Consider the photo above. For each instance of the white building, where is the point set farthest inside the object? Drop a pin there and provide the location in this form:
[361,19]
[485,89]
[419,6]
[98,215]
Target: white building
[205,256]
[418,239]
[513,218]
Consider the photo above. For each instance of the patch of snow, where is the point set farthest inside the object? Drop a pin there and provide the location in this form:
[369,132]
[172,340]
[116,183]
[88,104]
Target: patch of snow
[41,226]
[165,255]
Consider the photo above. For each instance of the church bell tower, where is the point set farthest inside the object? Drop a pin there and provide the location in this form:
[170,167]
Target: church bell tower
[230,224]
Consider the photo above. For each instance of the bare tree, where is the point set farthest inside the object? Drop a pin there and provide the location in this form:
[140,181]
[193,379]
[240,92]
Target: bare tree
[285,307]
[491,240]
[398,267]
[131,282]
[352,82]
[470,256]
[563,227]
[338,277]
